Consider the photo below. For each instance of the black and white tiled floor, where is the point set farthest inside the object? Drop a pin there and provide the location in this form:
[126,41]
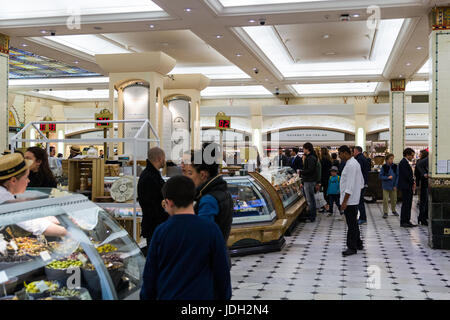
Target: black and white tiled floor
[398,262]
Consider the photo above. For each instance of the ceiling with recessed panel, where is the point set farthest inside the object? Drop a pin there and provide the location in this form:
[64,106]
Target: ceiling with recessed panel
[317,42]
[246,47]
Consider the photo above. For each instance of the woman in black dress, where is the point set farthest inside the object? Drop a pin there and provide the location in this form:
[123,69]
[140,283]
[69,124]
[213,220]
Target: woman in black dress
[40,174]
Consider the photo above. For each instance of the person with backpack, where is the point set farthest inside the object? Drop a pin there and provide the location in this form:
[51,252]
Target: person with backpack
[309,179]
[333,191]
[389,182]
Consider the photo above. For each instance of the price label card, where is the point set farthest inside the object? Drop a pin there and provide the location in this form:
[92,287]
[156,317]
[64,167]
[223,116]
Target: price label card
[3,277]
[13,245]
[41,286]
[82,258]
[45,256]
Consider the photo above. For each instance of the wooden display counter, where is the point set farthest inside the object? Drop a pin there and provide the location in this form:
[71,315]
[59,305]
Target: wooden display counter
[269,236]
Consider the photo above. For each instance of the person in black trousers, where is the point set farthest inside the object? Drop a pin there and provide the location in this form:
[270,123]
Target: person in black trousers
[150,196]
[422,170]
[407,185]
[296,160]
[365,168]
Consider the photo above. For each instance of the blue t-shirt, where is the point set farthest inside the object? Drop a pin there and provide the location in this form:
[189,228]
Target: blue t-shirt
[333,185]
[187,260]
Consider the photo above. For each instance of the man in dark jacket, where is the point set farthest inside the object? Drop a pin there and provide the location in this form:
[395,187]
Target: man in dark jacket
[359,156]
[282,160]
[407,185]
[309,179]
[422,170]
[296,160]
[149,194]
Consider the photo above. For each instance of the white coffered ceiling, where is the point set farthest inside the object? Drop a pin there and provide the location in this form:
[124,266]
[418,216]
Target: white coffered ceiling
[302,49]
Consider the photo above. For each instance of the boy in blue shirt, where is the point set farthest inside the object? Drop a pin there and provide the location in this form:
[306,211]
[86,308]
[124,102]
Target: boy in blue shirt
[389,182]
[187,258]
[333,191]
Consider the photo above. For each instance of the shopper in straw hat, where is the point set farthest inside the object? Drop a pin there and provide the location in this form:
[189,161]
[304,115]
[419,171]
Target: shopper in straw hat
[14,170]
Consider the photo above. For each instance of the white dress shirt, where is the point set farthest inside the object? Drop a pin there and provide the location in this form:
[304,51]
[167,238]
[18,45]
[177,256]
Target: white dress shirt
[352,181]
[35,226]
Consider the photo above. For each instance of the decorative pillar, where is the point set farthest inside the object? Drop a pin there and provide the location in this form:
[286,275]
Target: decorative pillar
[360,122]
[145,69]
[184,87]
[397,118]
[439,157]
[4,57]
[257,126]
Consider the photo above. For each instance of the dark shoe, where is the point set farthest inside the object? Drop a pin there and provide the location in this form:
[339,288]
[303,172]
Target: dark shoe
[405,225]
[395,214]
[361,247]
[360,222]
[424,223]
[348,252]
[385,216]
[412,225]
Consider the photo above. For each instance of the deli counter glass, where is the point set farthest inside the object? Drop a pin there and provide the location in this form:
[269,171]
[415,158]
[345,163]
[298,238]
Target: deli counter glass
[96,259]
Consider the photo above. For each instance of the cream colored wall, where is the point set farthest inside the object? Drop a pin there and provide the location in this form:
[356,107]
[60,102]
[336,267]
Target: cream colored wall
[342,123]
[376,123]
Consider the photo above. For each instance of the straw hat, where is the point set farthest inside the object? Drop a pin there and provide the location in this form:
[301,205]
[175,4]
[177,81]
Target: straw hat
[13,164]
[75,149]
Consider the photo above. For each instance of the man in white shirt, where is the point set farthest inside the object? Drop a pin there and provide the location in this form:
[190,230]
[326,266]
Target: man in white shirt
[352,181]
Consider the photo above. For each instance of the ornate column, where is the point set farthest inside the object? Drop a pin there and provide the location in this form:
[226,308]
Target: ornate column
[4,57]
[360,123]
[397,118]
[142,76]
[439,200]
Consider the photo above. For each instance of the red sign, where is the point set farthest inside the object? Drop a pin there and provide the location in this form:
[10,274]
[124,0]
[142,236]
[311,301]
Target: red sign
[51,127]
[224,124]
[102,124]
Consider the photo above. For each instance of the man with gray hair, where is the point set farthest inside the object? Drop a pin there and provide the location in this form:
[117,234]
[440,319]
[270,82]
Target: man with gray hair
[149,194]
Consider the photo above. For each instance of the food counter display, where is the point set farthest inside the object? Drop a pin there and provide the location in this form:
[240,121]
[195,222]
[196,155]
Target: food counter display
[266,207]
[97,259]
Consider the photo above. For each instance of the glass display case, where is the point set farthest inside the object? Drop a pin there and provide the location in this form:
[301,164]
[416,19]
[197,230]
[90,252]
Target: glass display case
[251,201]
[286,182]
[96,259]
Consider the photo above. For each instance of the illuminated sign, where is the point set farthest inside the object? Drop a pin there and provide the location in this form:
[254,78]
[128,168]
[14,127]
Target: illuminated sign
[104,115]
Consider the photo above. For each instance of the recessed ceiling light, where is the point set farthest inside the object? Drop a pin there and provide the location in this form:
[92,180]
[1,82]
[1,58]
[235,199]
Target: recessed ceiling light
[267,79]
[188,9]
[43,31]
[326,36]
[238,55]
[151,26]
[76,62]
[331,53]
[24,45]
[352,81]
[219,36]
[400,76]
[419,48]
[164,43]
[408,63]
[355,15]
[252,21]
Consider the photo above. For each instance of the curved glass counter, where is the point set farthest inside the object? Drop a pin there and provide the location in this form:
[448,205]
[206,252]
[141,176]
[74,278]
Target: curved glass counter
[251,201]
[97,259]
[286,182]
